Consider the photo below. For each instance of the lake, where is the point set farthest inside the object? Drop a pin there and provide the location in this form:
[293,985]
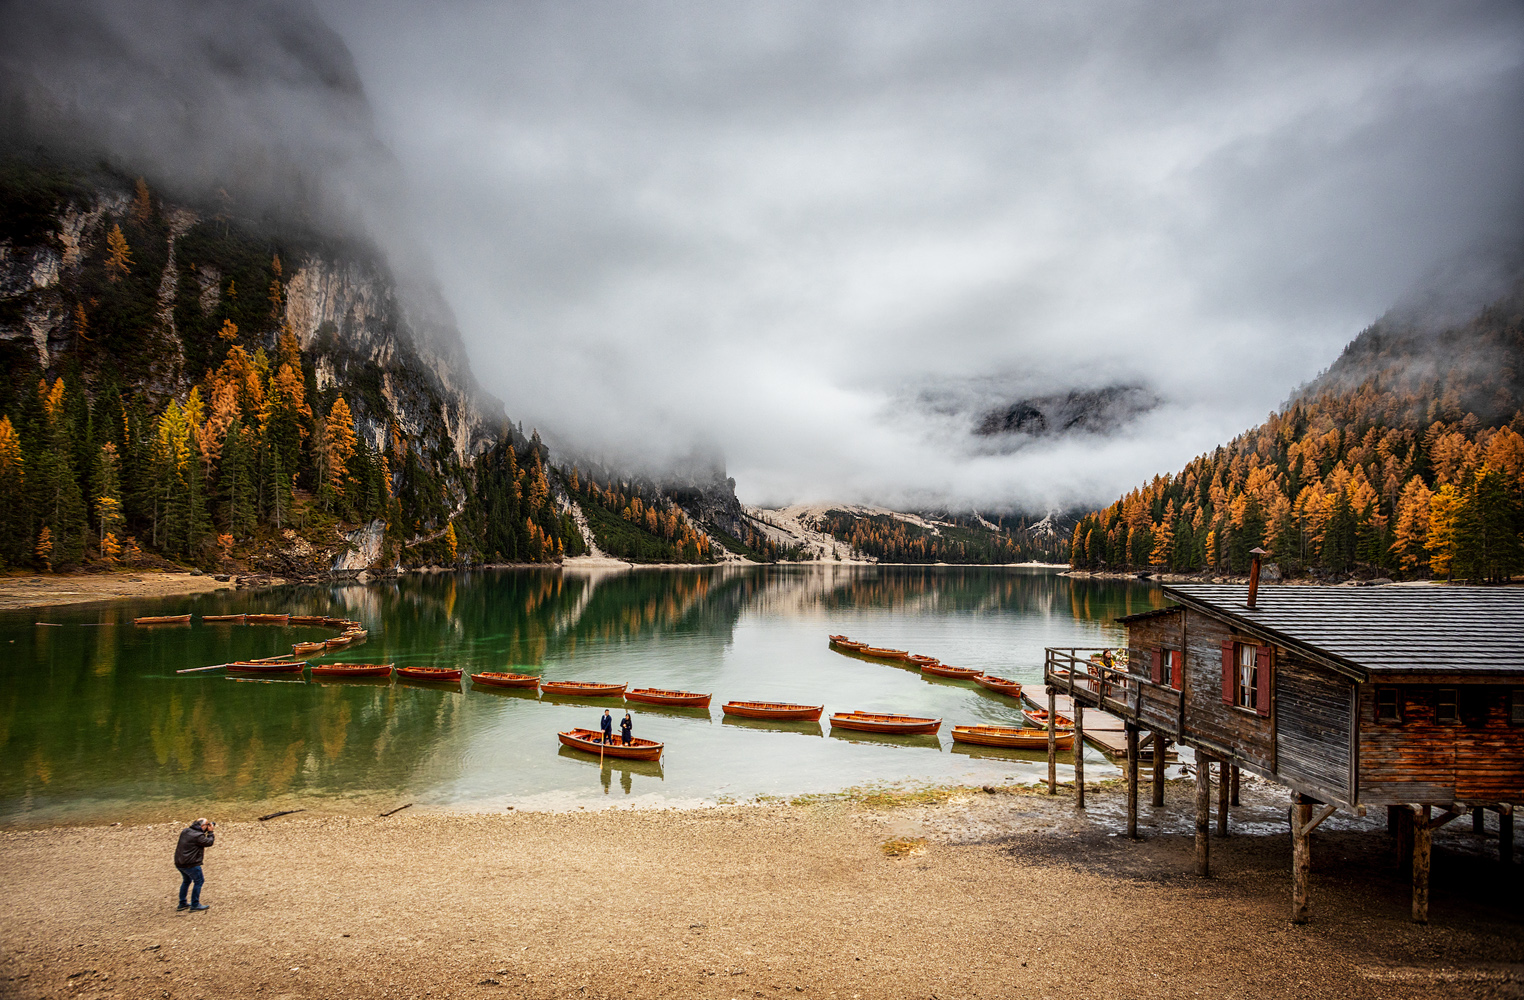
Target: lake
[96,725]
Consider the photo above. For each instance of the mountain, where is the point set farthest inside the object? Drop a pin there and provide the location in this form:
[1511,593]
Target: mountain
[1404,459]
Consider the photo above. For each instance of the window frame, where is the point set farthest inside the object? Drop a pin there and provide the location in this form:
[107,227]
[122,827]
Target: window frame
[1246,676]
[1174,669]
[1453,702]
[1516,706]
[1396,718]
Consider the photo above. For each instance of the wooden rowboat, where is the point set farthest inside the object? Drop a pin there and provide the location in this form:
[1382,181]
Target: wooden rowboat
[163,620]
[592,742]
[660,696]
[499,679]
[587,689]
[946,670]
[305,619]
[1039,718]
[428,673]
[351,669]
[924,661]
[357,635]
[305,648]
[337,642]
[267,619]
[1008,736]
[223,618]
[1003,685]
[779,711]
[340,623]
[884,654]
[266,667]
[871,722]
[842,642]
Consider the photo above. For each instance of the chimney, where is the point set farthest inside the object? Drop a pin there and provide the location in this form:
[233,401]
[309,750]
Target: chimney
[1254,576]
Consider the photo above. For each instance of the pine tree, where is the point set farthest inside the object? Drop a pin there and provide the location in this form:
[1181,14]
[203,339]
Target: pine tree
[337,447]
[235,481]
[118,254]
[58,500]
[15,526]
[1444,506]
[1487,528]
[106,489]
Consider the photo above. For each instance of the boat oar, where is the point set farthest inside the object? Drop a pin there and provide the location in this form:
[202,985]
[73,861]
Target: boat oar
[283,812]
[197,670]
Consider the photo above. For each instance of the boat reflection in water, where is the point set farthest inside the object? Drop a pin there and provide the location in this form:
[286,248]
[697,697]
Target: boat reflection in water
[979,752]
[923,741]
[802,728]
[627,769]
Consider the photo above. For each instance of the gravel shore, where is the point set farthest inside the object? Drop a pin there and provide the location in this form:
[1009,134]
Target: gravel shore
[1001,893]
[49,590]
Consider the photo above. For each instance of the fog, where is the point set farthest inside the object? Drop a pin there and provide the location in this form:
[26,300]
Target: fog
[831,239]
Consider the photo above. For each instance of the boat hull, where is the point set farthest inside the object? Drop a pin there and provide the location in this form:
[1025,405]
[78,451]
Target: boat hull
[351,670]
[495,679]
[428,674]
[289,667]
[1007,736]
[842,642]
[163,620]
[657,696]
[775,710]
[304,648]
[591,742]
[583,689]
[1000,685]
[1040,720]
[907,725]
[235,619]
[879,653]
[943,670]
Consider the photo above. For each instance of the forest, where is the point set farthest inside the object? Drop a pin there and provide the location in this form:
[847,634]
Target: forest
[957,539]
[1405,460]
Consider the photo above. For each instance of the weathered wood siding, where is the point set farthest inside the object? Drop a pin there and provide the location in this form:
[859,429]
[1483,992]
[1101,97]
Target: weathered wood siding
[1159,710]
[1480,758]
[1314,726]
[1207,716]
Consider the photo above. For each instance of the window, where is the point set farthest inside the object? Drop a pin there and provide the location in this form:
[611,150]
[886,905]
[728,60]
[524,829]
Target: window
[1446,710]
[1516,712]
[1387,705]
[1248,677]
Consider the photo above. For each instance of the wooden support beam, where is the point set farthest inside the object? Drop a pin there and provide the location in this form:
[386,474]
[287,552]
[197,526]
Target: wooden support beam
[1505,834]
[1222,798]
[1452,813]
[1160,747]
[1301,857]
[1393,814]
[1132,781]
[1203,813]
[1079,754]
[1052,742]
[1233,796]
[1423,840]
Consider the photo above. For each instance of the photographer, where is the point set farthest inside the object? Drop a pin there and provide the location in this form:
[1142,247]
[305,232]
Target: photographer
[194,840]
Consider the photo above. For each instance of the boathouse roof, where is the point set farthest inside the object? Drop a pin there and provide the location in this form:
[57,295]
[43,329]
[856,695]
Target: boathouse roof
[1372,631]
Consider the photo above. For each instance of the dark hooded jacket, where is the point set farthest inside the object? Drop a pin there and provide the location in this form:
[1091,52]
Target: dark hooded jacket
[193,841]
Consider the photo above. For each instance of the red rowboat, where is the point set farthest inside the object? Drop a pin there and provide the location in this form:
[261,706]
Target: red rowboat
[304,648]
[499,679]
[592,742]
[163,620]
[428,673]
[281,667]
[1007,736]
[223,618]
[1001,684]
[946,670]
[778,710]
[884,654]
[356,634]
[351,669]
[842,642]
[870,722]
[267,619]
[923,661]
[659,696]
[587,689]
[1038,717]
[305,620]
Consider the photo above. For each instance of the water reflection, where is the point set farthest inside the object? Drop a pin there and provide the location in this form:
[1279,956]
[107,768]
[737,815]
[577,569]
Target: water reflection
[93,711]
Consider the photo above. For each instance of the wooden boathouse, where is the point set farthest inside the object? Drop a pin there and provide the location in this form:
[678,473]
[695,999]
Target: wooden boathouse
[1408,697]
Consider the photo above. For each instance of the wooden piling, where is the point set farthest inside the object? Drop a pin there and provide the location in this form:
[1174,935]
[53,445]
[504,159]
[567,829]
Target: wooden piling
[1159,750]
[1203,813]
[1301,857]
[1079,754]
[1222,798]
[1405,840]
[1423,839]
[1052,742]
[1132,781]
[1233,797]
[1393,818]
[1505,834]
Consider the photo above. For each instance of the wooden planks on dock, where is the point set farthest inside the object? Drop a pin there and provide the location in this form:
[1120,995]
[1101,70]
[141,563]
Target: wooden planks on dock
[1104,731]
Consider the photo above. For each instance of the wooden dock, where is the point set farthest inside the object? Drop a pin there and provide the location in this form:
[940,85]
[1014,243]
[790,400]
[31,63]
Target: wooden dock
[1104,731]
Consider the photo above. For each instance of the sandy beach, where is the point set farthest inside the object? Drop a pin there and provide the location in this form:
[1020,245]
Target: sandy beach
[986,894]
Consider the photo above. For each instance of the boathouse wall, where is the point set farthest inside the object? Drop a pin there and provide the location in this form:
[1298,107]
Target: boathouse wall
[1476,755]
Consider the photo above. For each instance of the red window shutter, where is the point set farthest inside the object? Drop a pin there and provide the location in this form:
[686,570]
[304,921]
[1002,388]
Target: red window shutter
[1177,669]
[1262,659]
[1158,674]
[1229,665]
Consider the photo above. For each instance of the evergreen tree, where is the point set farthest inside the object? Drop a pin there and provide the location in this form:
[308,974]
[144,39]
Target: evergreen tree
[106,491]
[15,526]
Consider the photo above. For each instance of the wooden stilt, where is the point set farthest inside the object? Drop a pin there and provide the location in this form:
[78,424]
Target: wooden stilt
[1393,814]
[1505,834]
[1079,755]
[1052,743]
[1405,840]
[1478,819]
[1423,839]
[1160,743]
[1233,798]
[1222,798]
[1301,857]
[1132,781]
[1203,813]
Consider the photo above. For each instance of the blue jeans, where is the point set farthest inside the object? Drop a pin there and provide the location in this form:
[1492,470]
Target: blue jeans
[188,875]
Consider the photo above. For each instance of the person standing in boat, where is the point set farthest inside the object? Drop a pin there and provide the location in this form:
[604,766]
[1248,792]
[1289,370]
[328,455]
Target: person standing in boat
[607,724]
[194,840]
[626,726]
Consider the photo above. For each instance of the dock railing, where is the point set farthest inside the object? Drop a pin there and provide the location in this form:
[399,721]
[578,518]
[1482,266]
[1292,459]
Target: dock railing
[1117,681]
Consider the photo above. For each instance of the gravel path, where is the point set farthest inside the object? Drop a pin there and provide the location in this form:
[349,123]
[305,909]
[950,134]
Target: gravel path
[985,895]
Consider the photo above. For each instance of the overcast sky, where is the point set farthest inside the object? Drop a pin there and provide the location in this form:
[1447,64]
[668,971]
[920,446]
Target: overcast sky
[827,238]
